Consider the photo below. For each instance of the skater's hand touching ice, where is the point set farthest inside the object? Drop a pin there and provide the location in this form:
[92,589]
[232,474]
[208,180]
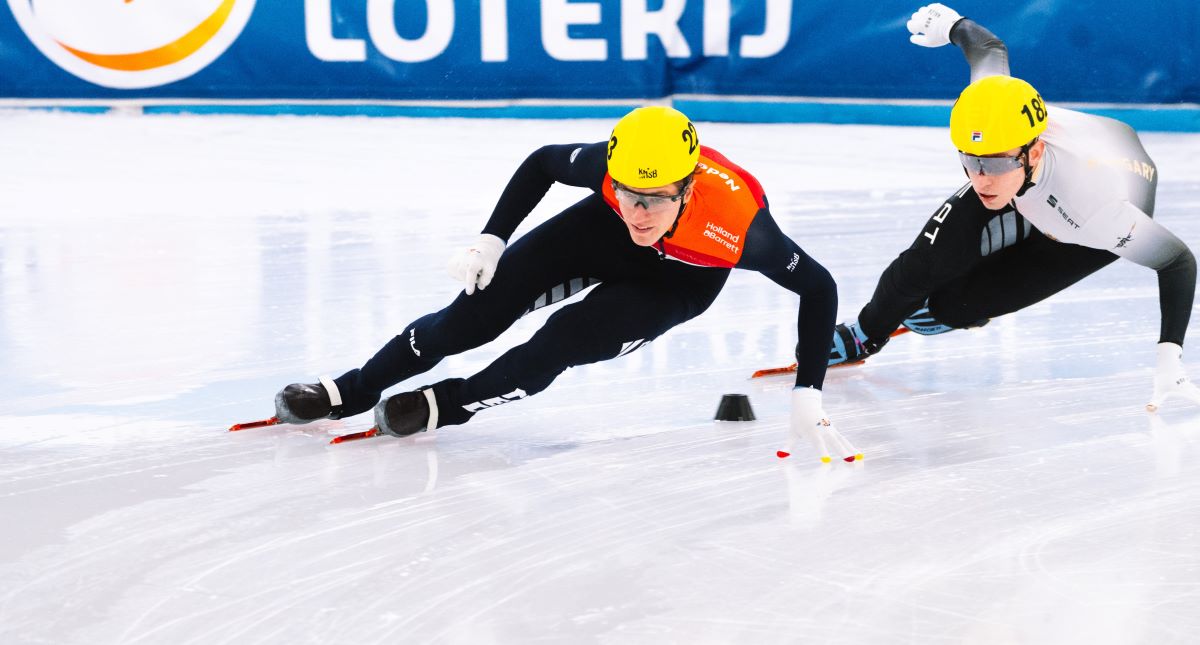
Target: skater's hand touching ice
[476,265]
[811,425]
[930,25]
[1170,378]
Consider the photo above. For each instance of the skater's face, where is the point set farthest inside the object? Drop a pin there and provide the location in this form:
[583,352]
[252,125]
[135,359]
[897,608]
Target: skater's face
[650,212]
[997,178]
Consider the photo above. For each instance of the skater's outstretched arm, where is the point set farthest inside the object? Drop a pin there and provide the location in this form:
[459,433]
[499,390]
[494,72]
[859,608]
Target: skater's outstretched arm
[576,164]
[936,25]
[772,253]
[1150,244]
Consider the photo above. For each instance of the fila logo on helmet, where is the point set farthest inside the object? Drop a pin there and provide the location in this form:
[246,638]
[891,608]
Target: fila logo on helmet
[135,43]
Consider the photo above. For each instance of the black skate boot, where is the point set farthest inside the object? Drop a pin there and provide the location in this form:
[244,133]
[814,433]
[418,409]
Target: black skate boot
[301,403]
[407,413]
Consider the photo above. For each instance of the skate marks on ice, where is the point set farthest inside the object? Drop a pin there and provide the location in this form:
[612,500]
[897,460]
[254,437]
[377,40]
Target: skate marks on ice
[350,559]
[945,531]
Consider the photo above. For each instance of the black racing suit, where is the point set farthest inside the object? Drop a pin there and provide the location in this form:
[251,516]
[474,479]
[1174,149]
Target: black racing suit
[1091,201]
[642,292]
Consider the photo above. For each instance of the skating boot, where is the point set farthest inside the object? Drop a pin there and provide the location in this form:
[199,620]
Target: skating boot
[407,413]
[851,346]
[301,403]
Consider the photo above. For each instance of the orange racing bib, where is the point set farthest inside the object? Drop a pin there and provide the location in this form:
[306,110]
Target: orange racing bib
[711,231]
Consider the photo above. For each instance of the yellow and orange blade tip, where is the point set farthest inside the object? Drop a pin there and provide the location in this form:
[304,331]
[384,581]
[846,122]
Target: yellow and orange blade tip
[782,454]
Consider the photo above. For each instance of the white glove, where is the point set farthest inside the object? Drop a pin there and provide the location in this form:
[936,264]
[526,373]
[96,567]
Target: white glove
[1170,379]
[810,424]
[476,265]
[930,25]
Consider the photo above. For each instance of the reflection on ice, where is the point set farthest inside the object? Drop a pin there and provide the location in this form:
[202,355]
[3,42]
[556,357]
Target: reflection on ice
[809,488]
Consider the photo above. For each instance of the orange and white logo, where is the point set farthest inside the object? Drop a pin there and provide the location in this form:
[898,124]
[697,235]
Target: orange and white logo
[132,44]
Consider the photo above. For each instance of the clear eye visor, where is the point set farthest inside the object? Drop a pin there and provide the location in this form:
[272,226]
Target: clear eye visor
[990,165]
[629,198]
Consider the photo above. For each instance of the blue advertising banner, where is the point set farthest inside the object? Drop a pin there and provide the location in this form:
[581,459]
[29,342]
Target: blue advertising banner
[579,50]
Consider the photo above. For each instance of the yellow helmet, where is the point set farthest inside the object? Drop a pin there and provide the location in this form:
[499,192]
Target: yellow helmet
[996,114]
[653,146]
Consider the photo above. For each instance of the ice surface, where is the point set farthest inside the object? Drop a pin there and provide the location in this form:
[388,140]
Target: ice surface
[162,277]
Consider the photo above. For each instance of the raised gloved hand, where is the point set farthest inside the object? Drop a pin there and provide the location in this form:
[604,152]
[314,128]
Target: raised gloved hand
[476,265]
[930,25]
[851,345]
[810,424]
[1170,378]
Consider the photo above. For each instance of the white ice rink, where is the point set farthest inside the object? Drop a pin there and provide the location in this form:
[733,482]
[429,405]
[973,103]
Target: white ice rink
[162,277]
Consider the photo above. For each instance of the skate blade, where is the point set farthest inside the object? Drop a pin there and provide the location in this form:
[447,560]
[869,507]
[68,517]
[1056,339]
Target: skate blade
[771,371]
[254,424]
[355,436]
[791,369]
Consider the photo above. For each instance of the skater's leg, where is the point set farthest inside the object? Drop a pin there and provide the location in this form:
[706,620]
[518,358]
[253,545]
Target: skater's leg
[613,320]
[959,237]
[1014,279]
[545,266]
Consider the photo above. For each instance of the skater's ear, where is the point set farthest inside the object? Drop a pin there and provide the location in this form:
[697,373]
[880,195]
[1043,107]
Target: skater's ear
[686,184]
[1036,151]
